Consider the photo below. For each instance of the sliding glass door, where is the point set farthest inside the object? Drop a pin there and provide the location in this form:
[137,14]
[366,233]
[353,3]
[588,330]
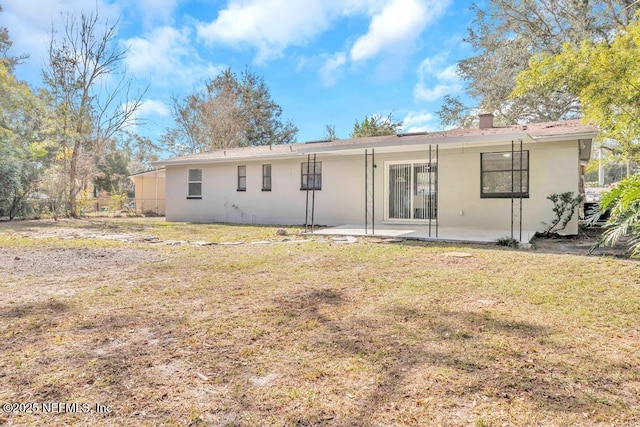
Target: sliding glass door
[411,190]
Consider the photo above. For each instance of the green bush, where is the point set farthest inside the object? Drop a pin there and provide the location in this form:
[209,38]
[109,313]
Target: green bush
[623,203]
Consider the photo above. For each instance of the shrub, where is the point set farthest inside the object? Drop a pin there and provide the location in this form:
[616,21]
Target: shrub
[623,203]
[564,207]
[508,242]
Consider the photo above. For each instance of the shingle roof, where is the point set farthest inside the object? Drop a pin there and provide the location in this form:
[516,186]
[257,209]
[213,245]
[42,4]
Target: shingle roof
[259,151]
[560,129]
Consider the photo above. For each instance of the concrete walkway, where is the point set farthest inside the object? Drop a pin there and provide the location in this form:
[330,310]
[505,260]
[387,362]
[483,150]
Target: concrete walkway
[421,232]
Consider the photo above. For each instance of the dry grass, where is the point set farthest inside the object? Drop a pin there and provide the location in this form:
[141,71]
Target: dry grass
[315,333]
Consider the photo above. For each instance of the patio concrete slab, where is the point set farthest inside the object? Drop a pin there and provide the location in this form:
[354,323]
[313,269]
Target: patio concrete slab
[421,232]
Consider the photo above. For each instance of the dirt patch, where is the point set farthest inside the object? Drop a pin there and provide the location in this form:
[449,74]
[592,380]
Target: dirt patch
[582,244]
[57,262]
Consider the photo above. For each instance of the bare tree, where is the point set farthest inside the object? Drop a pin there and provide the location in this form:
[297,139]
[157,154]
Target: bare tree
[90,105]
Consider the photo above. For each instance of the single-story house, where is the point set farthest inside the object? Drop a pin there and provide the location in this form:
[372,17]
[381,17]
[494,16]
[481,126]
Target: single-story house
[493,178]
[149,191]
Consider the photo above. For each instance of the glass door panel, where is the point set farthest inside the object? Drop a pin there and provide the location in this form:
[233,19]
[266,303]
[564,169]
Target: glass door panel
[412,191]
[400,191]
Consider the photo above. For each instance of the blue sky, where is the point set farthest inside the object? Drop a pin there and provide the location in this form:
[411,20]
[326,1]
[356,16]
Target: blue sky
[325,62]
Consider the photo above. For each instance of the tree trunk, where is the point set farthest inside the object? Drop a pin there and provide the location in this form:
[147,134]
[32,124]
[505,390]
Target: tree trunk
[72,179]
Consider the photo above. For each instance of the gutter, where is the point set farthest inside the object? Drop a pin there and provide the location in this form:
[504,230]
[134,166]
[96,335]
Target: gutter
[568,137]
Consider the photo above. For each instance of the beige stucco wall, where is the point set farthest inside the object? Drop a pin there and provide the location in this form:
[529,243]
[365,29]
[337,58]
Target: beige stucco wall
[339,201]
[553,169]
[150,193]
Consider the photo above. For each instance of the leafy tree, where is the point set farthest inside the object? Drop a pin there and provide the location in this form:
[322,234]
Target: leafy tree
[140,151]
[605,77]
[23,151]
[18,157]
[89,107]
[113,173]
[330,133]
[5,44]
[230,111]
[376,125]
[454,113]
[507,33]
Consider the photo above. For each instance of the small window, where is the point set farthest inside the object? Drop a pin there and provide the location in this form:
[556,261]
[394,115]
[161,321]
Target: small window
[195,184]
[311,177]
[503,176]
[242,178]
[266,177]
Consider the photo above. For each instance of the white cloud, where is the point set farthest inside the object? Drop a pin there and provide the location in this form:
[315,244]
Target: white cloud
[268,25]
[332,67]
[167,56]
[271,26]
[153,107]
[436,79]
[160,50]
[419,121]
[425,93]
[146,110]
[396,27]
[153,11]
[449,74]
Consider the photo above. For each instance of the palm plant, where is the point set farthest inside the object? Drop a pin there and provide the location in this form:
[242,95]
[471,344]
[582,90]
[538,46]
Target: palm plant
[623,202]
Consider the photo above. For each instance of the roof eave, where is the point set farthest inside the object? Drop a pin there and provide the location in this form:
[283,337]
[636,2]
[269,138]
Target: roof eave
[155,171]
[402,142]
[179,162]
[567,137]
[413,141]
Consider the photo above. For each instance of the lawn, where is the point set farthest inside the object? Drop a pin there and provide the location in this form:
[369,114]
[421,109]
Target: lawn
[308,331]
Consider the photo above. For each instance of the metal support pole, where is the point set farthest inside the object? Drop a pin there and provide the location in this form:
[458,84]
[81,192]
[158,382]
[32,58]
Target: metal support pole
[429,205]
[366,190]
[373,191]
[512,185]
[306,210]
[436,198]
[156,191]
[313,194]
[521,168]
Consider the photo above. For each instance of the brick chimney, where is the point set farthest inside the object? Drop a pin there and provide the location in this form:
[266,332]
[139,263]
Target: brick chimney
[486,121]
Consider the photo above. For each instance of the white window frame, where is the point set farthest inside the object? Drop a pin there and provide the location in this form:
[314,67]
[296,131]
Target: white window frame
[190,181]
[264,176]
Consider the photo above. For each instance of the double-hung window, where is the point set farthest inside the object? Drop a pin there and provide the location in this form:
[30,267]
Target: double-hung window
[194,184]
[504,174]
[311,176]
[266,177]
[242,178]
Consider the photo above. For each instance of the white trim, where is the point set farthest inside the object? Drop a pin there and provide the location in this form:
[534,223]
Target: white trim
[189,182]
